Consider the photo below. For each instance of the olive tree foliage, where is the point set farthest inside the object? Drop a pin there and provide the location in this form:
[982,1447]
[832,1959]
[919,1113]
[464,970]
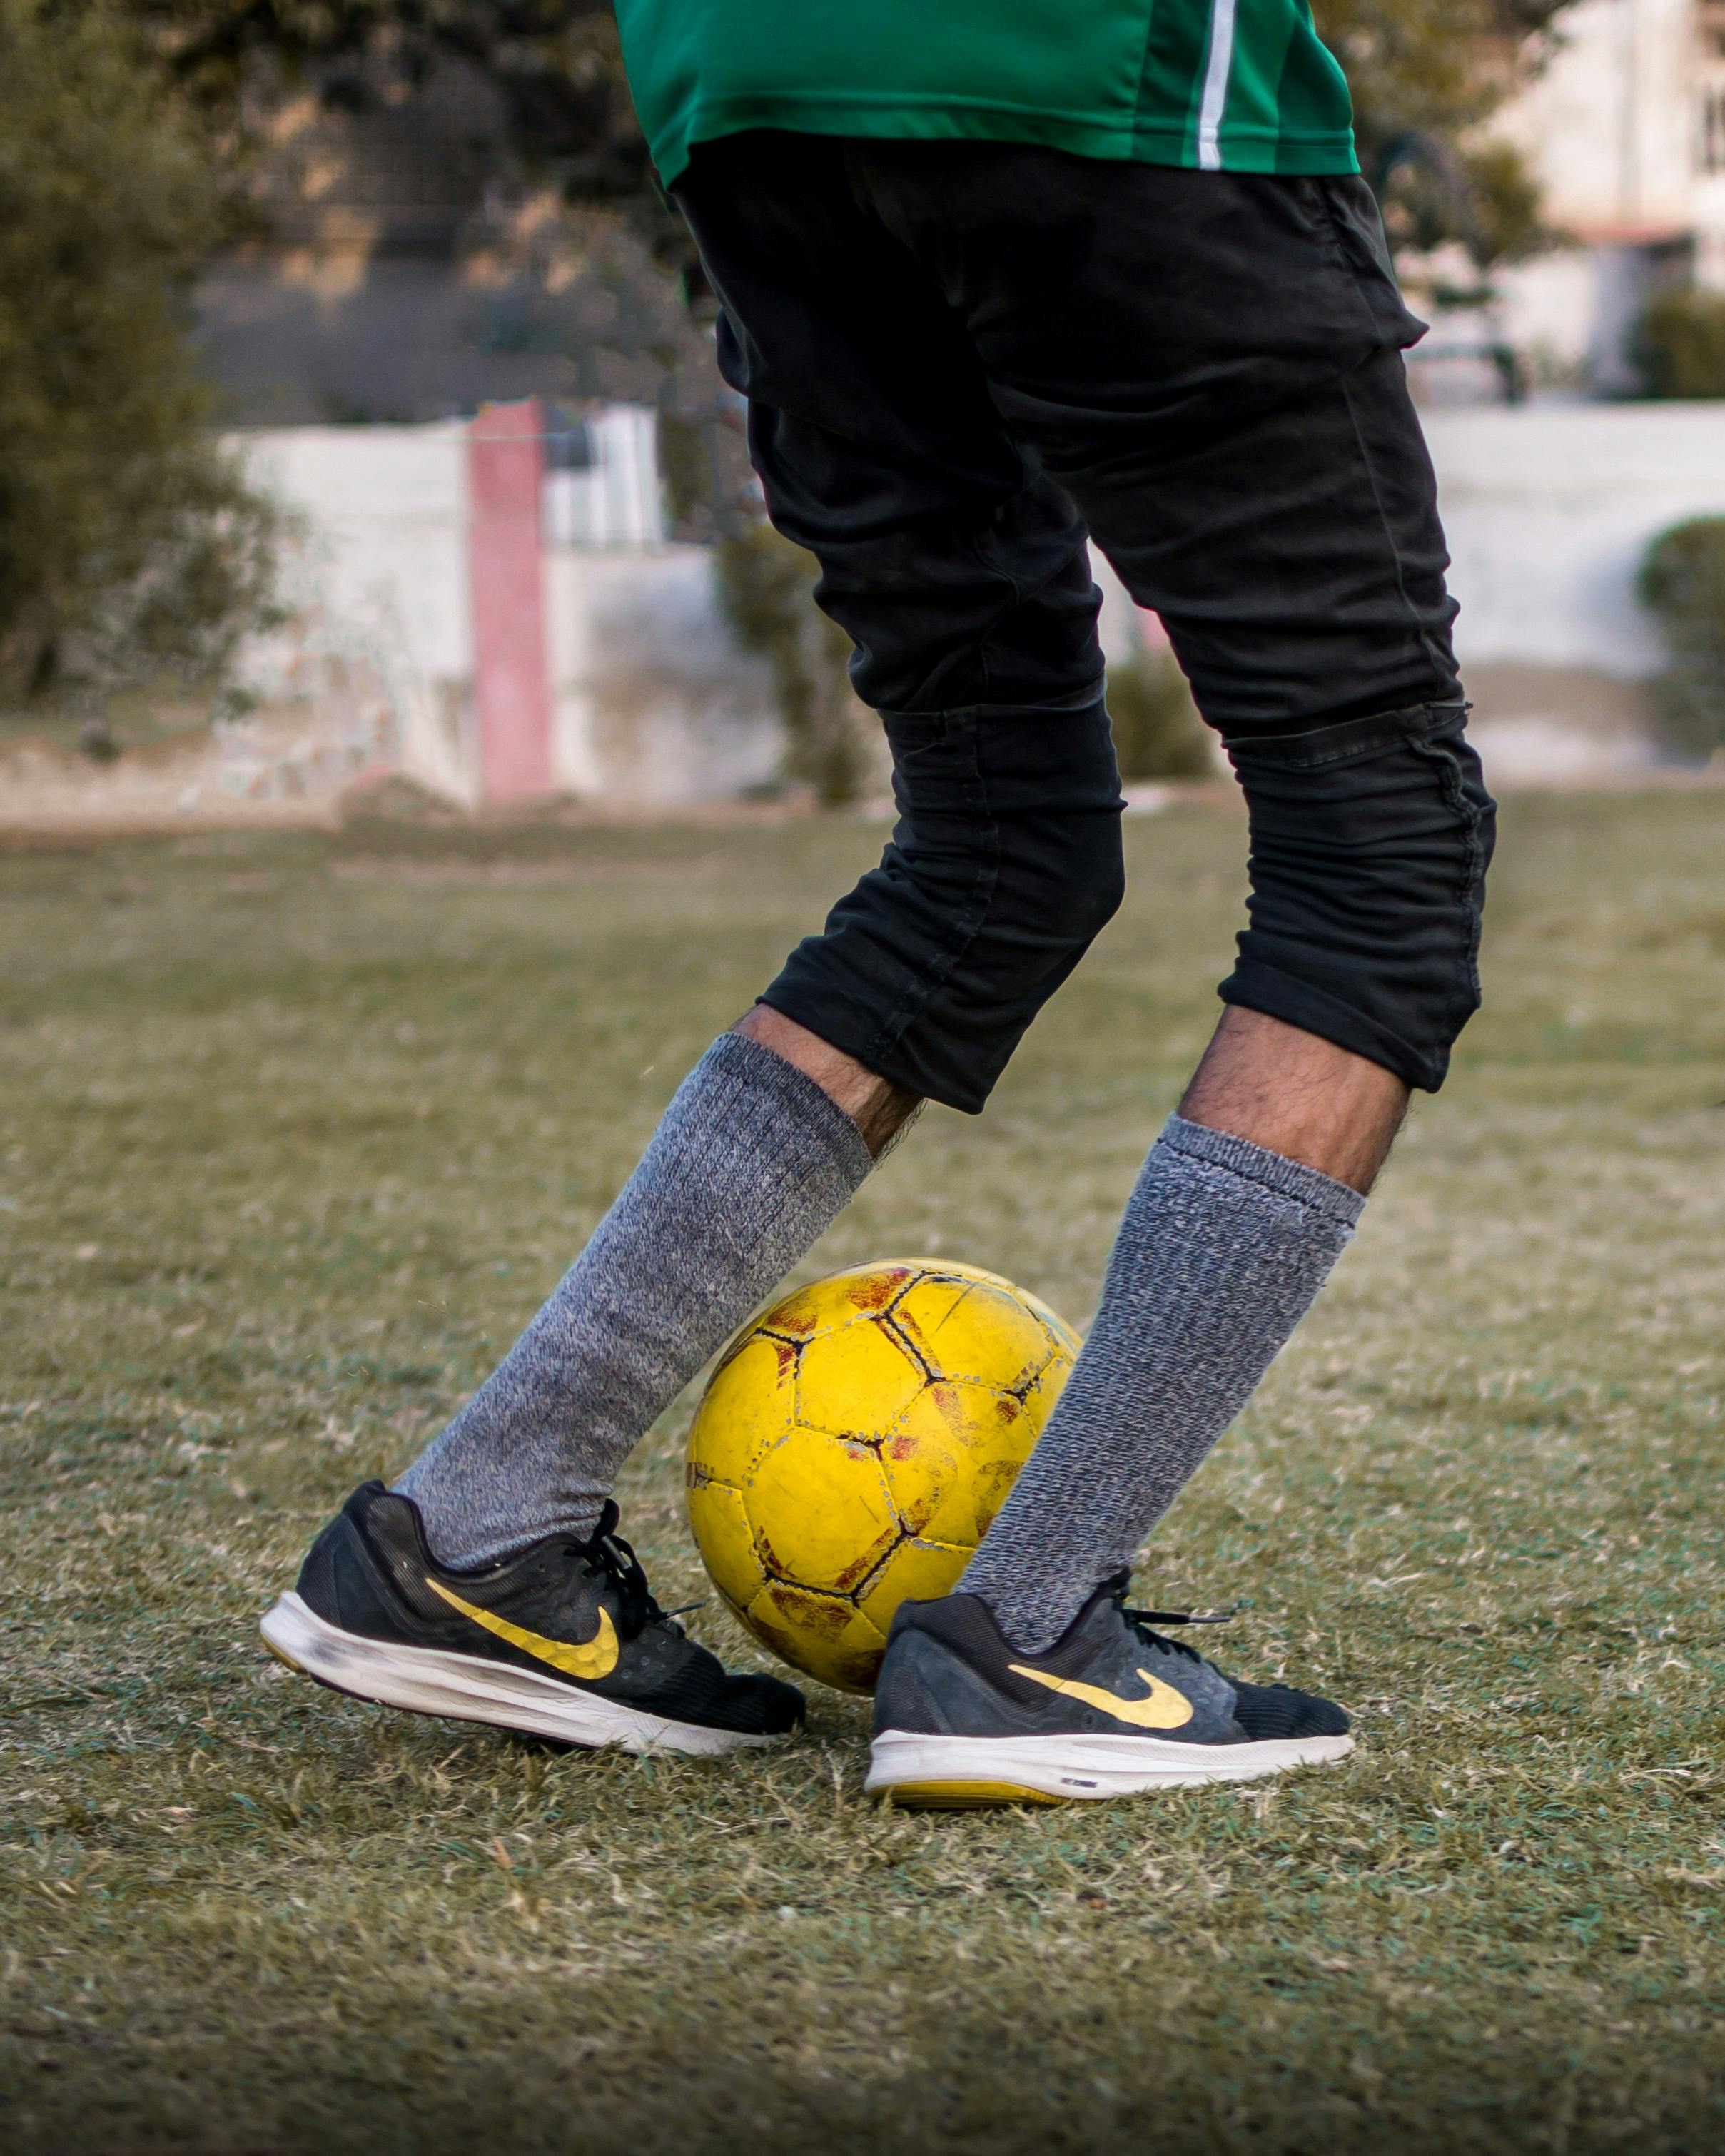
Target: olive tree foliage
[128,539]
[557,65]
[1427,75]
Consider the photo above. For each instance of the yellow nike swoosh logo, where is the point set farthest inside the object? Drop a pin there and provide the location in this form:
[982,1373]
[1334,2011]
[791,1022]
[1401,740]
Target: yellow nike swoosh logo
[1162,1707]
[596,1659]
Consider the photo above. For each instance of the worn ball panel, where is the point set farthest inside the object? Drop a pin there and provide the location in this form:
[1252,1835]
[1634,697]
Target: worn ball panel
[854,1443]
[951,1458]
[825,1635]
[726,1540]
[1038,1399]
[1064,1338]
[862,1291]
[749,1406]
[965,1328]
[821,1513]
[942,1269]
[857,1380]
[916,1572]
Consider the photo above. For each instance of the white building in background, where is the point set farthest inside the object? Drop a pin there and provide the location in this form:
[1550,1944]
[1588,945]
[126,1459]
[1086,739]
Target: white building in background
[1625,130]
[619,642]
[602,485]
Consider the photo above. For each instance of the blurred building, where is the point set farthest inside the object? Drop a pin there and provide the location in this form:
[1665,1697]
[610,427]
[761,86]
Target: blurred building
[556,632]
[1625,130]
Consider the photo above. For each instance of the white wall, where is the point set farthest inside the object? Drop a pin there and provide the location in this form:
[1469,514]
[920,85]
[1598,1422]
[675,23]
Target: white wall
[377,576]
[1612,130]
[1549,508]
[1607,126]
[655,704]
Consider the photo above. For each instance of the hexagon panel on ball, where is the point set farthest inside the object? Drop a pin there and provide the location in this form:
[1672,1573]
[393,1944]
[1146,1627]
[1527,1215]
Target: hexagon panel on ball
[825,1636]
[857,1381]
[964,1329]
[952,1455]
[821,1513]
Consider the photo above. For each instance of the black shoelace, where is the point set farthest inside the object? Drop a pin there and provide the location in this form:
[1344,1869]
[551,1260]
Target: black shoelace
[608,1552]
[1143,1622]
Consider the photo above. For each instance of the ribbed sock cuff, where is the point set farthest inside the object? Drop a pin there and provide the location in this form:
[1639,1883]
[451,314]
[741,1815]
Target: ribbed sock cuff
[1270,1171]
[758,1071]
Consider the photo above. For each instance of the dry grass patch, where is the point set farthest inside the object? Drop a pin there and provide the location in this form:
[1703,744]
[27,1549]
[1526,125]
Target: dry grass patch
[285,1157]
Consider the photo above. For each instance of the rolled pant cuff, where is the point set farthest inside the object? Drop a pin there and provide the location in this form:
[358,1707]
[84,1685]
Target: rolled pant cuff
[1370,839]
[1254,986]
[849,1026]
[1004,864]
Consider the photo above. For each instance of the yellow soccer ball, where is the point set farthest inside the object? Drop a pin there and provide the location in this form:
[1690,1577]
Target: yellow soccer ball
[853,1444]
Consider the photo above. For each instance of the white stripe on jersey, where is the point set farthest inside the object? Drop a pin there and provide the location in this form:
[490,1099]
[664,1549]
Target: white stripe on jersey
[1215,86]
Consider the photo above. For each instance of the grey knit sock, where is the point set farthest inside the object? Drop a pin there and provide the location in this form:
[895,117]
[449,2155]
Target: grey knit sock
[1222,1250]
[751,1163]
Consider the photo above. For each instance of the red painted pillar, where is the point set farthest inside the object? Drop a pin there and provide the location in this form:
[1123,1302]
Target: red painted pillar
[505,462]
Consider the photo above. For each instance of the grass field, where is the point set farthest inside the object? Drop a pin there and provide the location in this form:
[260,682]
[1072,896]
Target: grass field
[295,1131]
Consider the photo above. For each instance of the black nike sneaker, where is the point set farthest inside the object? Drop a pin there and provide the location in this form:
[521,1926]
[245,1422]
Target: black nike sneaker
[962,1718]
[563,1641]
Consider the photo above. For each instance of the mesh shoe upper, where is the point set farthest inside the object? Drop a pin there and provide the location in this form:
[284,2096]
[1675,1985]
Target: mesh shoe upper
[1272,1711]
[949,1670]
[556,1610]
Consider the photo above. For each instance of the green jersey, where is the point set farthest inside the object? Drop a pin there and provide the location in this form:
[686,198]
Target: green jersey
[1232,85]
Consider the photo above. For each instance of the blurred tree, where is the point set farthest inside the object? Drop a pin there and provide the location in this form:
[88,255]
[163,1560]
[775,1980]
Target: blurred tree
[1427,76]
[125,534]
[556,64]
[1679,343]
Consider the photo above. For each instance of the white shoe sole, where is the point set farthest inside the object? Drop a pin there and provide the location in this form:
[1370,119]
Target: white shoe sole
[957,1773]
[466,1688]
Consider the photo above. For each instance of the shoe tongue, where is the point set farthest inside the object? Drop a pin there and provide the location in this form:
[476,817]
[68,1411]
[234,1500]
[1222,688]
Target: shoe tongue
[1114,1589]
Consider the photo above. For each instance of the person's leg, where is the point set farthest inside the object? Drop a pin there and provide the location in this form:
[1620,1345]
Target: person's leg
[960,575]
[752,1161]
[968,587]
[1243,1205]
[1295,1094]
[880,1109]
[1209,365]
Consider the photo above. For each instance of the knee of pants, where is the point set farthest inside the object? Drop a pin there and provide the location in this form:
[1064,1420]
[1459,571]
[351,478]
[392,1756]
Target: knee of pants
[1064,872]
[1370,841]
[1005,864]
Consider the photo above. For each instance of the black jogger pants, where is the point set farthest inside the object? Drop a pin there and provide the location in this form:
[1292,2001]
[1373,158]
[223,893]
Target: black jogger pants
[962,360]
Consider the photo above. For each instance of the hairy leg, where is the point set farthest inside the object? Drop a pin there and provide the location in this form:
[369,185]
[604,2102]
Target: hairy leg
[879,1108]
[1296,1095]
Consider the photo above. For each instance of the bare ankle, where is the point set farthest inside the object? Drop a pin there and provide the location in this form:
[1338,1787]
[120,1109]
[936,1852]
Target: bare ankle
[879,1108]
[1296,1094]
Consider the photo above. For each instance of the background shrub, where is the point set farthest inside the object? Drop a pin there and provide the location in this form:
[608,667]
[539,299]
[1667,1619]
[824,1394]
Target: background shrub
[1679,344]
[1682,580]
[1157,733]
[766,586]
